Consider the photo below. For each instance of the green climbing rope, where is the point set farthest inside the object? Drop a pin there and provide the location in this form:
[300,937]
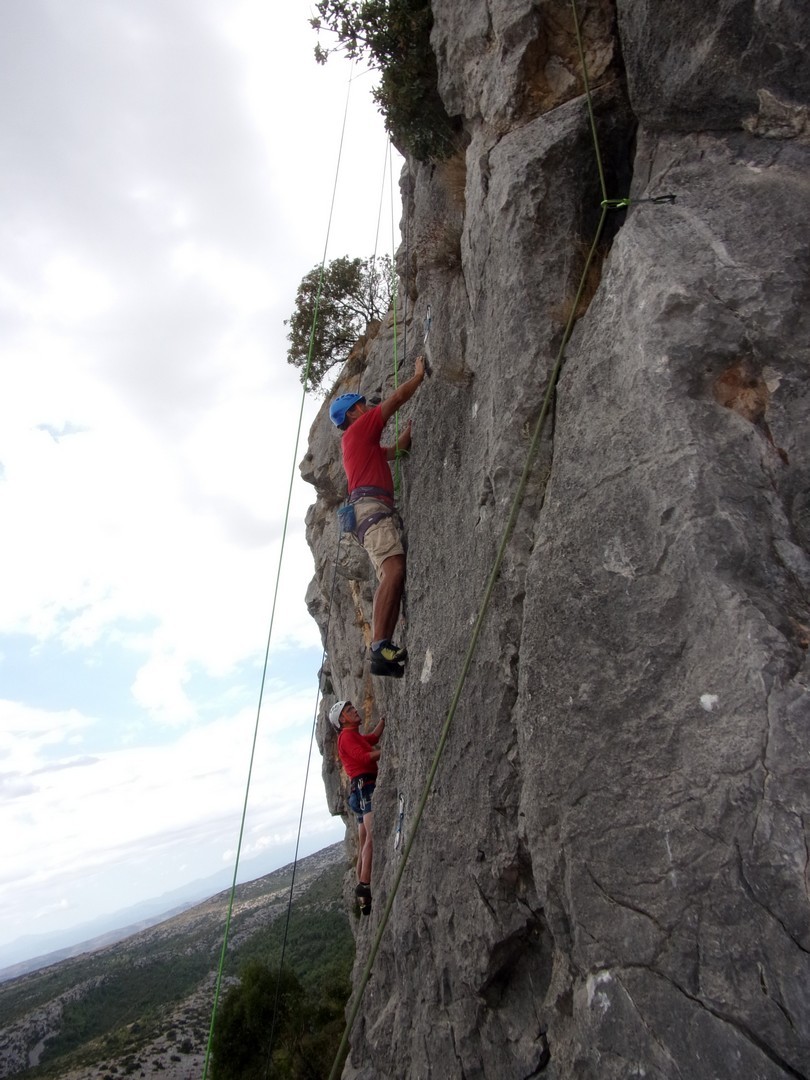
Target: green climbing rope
[291,893]
[228,918]
[396,351]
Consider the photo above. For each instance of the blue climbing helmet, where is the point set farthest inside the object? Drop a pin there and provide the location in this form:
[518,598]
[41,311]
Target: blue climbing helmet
[341,405]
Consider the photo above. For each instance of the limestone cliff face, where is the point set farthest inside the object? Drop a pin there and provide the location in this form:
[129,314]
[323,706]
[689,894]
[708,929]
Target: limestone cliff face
[611,877]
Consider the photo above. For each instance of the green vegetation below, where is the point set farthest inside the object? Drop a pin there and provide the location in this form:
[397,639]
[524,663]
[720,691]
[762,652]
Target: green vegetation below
[134,993]
[158,985]
[269,1025]
[320,945]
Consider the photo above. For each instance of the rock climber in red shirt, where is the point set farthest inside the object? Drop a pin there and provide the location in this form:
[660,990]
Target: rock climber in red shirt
[359,758]
[371,491]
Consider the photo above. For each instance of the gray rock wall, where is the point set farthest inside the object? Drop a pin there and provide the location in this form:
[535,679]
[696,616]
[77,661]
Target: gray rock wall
[611,876]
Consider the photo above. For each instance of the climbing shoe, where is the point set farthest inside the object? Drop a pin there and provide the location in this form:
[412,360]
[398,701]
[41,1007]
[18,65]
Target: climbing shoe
[363,894]
[390,652]
[386,667]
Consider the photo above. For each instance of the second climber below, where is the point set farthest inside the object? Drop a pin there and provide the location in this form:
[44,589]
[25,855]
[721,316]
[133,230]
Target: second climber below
[371,491]
[359,757]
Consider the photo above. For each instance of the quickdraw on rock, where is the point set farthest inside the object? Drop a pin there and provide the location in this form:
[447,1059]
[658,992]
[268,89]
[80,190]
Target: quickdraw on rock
[428,321]
[622,204]
[400,819]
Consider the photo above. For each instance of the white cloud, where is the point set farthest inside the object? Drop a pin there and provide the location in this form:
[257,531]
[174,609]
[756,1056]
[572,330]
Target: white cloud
[70,817]
[159,688]
[244,286]
[27,733]
[167,180]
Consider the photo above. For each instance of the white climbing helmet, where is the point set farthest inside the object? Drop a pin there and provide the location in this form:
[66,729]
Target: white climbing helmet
[334,713]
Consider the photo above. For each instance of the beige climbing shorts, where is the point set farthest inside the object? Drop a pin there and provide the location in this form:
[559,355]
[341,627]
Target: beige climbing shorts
[384,538]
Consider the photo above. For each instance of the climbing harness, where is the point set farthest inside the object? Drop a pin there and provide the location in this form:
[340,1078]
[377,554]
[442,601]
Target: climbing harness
[376,495]
[347,520]
[368,491]
[372,519]
[358,800]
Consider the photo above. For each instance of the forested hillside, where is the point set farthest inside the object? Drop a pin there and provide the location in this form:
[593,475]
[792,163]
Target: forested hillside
[144,1005]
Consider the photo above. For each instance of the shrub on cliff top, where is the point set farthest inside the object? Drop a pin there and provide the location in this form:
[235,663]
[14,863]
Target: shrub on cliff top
[394,35]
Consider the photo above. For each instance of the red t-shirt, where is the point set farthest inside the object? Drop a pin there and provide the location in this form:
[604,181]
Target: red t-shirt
[353,749]
[364,460]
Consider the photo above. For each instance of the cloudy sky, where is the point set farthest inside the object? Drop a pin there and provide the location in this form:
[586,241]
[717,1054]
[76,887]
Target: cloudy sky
[166,173]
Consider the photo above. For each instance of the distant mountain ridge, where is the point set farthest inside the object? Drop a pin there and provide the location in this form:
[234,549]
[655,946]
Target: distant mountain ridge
[36,963]
[144,1003]
[33,951]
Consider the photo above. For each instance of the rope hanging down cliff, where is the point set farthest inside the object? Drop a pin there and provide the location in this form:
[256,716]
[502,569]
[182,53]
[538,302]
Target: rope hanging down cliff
[285,936]
[606,205]
[218,985]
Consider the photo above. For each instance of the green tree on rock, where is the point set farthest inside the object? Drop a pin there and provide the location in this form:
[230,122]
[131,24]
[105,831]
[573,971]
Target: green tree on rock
[352,294]
[240,1047]
[395,36]
[305,1031]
